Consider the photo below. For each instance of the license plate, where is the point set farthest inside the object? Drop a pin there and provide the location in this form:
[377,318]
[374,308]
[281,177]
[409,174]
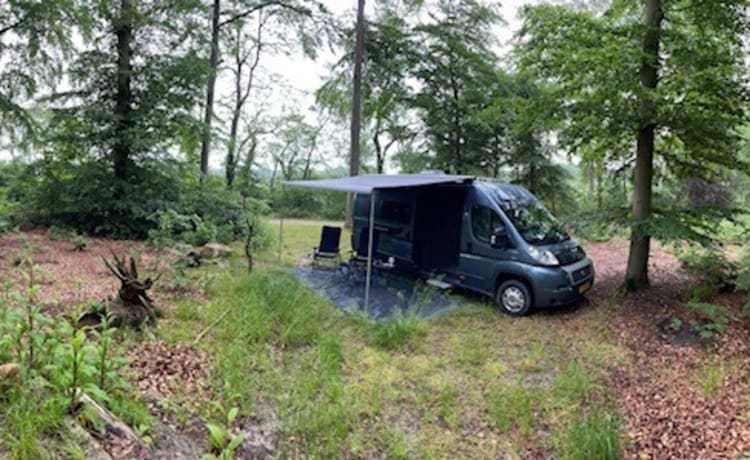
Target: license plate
[584,287]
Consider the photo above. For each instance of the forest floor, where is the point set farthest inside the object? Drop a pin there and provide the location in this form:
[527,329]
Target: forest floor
[309,380]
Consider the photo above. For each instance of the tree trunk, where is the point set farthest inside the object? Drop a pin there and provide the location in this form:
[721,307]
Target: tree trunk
[637,270]
[208,114]
[124,97]
[241,95]
[359,51]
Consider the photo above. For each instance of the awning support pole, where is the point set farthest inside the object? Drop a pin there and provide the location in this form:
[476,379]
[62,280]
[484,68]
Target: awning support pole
[371,229]
[281,219]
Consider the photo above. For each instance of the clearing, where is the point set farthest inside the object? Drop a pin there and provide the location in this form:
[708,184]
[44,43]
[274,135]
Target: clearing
[309,380]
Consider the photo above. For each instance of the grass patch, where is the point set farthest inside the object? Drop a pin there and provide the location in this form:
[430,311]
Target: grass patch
[397,331]
[712,374]
[593,434]
[345,386]
[514,406]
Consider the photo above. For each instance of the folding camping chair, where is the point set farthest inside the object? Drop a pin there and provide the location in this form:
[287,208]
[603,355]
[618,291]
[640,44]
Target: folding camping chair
[328,249]
[356,266]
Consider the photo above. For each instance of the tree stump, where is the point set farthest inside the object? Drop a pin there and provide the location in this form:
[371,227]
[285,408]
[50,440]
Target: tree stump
[132,307]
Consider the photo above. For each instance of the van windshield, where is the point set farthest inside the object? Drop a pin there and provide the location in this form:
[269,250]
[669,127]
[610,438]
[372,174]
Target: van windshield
[535,224]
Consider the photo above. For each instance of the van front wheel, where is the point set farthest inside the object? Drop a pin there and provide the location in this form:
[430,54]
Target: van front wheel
[514,298]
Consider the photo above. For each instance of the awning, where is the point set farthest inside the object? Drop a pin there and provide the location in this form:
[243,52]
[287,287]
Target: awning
[368,182]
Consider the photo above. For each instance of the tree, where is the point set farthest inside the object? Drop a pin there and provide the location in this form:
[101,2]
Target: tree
[34,39]
[681,91]
[246,60]
[113,127]
[454,67]
[387,59]
[299,14]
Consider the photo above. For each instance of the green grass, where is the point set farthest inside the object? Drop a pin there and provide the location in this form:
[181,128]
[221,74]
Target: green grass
[342,385]
[593,434]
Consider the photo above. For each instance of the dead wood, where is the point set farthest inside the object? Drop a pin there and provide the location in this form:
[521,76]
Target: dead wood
[132,306]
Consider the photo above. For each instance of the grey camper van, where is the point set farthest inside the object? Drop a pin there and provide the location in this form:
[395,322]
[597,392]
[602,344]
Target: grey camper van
[492,238]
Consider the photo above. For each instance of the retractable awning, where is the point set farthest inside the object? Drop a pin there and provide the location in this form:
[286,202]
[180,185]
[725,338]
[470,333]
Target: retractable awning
[371,183]
[368,182]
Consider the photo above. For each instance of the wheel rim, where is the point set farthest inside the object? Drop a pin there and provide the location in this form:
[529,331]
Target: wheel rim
[513,299]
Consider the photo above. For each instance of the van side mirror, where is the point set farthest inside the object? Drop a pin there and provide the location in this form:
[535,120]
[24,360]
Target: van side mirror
[499,238]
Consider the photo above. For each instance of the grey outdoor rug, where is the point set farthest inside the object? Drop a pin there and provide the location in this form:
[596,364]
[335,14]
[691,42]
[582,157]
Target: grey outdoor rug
[389,293]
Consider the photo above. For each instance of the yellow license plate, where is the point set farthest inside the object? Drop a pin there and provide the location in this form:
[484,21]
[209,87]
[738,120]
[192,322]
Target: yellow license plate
[584,287]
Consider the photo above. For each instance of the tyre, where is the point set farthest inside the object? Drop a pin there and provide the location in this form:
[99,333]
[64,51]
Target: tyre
[514,298]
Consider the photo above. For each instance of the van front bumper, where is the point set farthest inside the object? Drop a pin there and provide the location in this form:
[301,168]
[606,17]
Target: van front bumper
[560,286]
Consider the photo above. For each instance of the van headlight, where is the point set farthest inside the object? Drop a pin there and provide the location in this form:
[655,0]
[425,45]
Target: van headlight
[543,256]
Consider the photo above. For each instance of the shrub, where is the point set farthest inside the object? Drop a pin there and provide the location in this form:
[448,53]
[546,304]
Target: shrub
[715,319]
[710,265]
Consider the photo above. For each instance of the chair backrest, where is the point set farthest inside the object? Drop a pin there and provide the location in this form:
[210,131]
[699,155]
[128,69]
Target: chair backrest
[329,239]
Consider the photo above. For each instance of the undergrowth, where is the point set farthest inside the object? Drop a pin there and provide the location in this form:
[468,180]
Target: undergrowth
[56,362]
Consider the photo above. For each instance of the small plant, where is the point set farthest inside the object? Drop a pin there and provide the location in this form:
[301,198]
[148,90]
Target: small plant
[396,331]
[711,376]
[223,442]
[595,433]
[710,265]
[78,242]
[716,319]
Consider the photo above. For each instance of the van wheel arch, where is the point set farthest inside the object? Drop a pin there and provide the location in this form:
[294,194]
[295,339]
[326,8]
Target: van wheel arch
[502,281]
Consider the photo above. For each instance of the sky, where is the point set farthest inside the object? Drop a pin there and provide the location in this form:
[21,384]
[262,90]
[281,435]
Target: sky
[307,75]
[296,77]
[302,75]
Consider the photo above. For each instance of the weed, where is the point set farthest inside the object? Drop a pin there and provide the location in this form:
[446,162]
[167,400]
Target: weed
[513,404]
[397,330]
[571,384]
[223,442]
[716,319]
[711,376]
[593,434]
[447,401]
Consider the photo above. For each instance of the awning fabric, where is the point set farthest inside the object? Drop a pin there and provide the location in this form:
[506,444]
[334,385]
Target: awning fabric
[368,182]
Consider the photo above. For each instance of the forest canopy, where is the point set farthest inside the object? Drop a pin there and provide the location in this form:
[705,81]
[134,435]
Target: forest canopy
[122,117]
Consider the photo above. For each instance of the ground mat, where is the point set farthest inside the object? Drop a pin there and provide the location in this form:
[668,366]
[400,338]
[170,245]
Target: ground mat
[389,293]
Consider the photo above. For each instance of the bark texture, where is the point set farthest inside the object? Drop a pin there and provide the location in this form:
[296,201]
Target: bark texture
[123,96]
[208,113]
[359,52]
[637,270]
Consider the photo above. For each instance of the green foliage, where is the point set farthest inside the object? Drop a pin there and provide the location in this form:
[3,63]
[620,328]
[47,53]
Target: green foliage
[710,265]
[397,330]
[513,404]
[594,433]
[221,439]
[715,319]
[59,361]
[597,101]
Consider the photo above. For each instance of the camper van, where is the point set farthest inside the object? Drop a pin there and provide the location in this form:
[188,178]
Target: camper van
[493,238]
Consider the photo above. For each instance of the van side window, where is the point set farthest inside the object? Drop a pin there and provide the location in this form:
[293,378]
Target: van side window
[396,212]
[484,222]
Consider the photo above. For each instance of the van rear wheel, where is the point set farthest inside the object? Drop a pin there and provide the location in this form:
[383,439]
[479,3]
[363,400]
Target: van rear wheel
[514,298]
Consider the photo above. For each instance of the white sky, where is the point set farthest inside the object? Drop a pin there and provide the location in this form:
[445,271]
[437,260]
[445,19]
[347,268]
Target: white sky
[308,75]
[297,77]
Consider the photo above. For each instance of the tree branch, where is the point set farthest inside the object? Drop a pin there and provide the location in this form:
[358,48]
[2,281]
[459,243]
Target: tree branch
[281,3]
[14,25]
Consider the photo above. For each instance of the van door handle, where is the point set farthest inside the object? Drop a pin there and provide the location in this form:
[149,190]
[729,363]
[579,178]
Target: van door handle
[469,248]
